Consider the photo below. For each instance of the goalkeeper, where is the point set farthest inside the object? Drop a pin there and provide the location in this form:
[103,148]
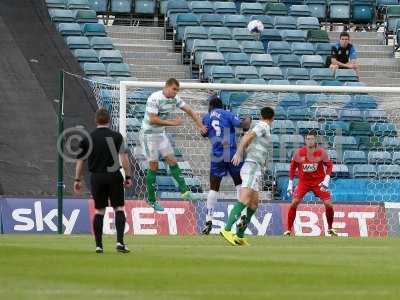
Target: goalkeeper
[155,142]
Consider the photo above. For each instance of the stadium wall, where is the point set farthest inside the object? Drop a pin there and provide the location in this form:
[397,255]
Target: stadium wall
[39,216]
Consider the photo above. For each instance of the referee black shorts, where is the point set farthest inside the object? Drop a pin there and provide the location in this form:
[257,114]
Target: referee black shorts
[107,186]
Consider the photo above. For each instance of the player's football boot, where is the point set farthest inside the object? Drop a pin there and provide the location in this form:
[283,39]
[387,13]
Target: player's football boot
[188,195]
[241,241]
[122,248]
[242,222]
[99,250]
[207,228]
[228,236]
[287,233]
[332,232]
[157,206]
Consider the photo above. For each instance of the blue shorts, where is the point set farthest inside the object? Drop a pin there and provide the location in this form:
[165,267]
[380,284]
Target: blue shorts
[221,169]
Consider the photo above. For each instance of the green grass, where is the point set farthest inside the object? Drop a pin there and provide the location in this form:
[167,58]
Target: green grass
[65,267]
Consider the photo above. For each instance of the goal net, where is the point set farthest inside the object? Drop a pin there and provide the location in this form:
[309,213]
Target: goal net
[358,126]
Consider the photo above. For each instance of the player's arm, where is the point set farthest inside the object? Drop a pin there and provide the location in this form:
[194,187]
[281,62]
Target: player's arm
[292,172]
[244,143]
[195,117]
[327,162]
[205,122]
[154,119]
[82,155]
[124,159]
[236,122]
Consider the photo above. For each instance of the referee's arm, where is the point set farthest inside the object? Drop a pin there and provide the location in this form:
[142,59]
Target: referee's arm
[84,145]
[124,159]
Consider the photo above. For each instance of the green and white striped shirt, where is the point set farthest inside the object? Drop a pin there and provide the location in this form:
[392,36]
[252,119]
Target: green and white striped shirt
[162,106]
[260,148]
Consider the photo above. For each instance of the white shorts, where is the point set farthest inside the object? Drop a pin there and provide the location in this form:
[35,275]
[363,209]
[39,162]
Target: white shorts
[251,176]
[154,145]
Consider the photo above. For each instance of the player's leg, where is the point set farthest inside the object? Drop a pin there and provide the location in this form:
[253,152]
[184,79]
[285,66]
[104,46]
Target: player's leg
[212,197]
[252,205]
[298,195]
[99,192]
[234,171]
[117,199]
[326,197]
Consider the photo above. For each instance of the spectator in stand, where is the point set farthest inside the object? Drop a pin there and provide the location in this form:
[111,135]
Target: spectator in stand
[344,55]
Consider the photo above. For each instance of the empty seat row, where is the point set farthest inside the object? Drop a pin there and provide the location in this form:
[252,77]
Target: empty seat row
[78,16]
[68,4]
[100,69]
[104,56]
[83,42]
[87,29]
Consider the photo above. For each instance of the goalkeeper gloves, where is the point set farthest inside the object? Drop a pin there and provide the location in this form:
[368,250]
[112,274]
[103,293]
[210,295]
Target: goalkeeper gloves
[290,188]
[324,185]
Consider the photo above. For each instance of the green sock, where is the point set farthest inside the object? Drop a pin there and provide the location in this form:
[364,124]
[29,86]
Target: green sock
[234,215]
[151,185]
[249,213]
[176,173]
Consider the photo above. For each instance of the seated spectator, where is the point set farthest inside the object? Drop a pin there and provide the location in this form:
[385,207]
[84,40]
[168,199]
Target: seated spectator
[344,55]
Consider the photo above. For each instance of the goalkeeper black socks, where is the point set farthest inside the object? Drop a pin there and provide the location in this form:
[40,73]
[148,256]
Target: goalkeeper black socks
[98,229]
[120,225]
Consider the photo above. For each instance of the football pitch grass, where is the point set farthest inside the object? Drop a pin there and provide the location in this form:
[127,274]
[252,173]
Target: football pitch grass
[198,267]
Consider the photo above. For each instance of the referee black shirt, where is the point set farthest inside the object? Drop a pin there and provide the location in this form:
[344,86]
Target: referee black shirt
[104,148]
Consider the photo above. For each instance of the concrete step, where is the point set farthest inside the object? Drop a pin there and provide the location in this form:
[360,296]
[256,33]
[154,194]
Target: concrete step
[159,68]
[159,76]
[135,29]
[374,54]
[153,61]
[377,74]
[143,48]
[151,56]
[142,42]
[357,35]
[379,65]
[160,79]
[373,81]
[134,35]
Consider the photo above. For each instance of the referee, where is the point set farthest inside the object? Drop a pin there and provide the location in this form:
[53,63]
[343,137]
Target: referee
[104,150]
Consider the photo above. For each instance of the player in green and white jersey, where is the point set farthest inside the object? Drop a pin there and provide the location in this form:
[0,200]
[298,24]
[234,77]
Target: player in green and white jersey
[256,143]
[154,139]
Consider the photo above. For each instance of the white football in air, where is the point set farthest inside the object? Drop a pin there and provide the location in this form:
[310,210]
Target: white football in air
[255,26]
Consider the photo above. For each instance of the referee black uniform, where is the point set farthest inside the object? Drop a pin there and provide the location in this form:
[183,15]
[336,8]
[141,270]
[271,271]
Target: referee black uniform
[102,151]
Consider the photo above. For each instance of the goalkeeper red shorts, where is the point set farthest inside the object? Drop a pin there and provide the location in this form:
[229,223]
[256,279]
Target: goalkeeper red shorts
[304,187]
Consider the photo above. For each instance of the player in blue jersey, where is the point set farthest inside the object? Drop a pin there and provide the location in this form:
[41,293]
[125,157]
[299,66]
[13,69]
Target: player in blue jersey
[221,126]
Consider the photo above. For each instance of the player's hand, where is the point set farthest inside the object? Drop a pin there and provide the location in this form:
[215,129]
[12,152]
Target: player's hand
[203,130]
[246,123]
[290,188]
[177,122]
[77,187]
[324,185]
[236,159]
[128,183]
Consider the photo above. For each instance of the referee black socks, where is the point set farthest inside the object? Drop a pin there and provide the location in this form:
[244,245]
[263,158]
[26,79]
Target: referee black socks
[120,225]
[98,229]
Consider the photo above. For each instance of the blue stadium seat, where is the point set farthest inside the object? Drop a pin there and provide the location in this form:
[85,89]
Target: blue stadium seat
[283,127]
[228,46]
[56,4]
[301,48]
[291,140]
[285,22]
[145,7]
[242,34]
[94,69]
[86,55]
[312,61]
[267,21]
[311,99]
[321,74]
[340,171]
[339,10]
[211,20]
[388,171]
[332,153]
[364,171]
[246,72]
[268,73]
[306,82]
[185,167]
[133,124]
[175,7]
[279,82]
[300,113]
[299,11]
[384,129]
[363,102]
[234,99]
[288,60]
[346,75]
[85,16]
[297,74]
[318,8]
[323,48]
[195,32]
[360,129]
[67,29]
[237,59]
[281,169]
[219,33]
[294,35]
[375,115]
[307,23]
[261,60]
[350,115]
[253,47]
[254,81]
[78,4]
[221,72]
[77,42]
[332,128]
[396,158]
[99,6]
[269,35]
[391,143]
[99,43]
[363,11]
[185,19]
[345,143]
[163,7]
[201,7]
[331,83]
[325,113]
[225,8]
[94,29]
[247,8]
[278,47]
[280,113]
[235,21]
[304,127]
[62,15]
[352,157]
[110,56]
[165,183]
[288,99]
[118,70]
[276,9]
